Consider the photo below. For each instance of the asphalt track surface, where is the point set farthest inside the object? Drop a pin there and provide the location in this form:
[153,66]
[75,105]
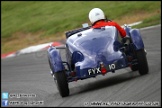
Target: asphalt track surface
[30,74]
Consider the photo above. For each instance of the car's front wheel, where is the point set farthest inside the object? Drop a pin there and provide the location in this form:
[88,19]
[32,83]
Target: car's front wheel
[62,84]
[142,62]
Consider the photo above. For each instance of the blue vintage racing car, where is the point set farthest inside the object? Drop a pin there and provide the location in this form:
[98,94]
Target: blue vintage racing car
[91,52]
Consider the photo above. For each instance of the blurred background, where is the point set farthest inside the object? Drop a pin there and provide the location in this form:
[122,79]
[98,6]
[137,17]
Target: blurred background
[26,23]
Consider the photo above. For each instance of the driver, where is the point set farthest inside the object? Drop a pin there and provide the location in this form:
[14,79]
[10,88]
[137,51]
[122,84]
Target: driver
[98,19]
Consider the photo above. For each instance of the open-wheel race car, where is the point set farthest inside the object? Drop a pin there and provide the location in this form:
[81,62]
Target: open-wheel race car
[91,52]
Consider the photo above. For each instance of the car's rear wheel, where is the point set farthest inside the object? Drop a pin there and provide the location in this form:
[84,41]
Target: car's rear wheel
[62,84]
[142,62]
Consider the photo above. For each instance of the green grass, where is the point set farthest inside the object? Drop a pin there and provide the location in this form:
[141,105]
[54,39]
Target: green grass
[154,20]
[52,18]
[59,16]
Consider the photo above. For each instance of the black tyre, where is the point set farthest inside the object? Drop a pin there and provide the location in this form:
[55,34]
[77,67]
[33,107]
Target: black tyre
[142,62]
[62,84]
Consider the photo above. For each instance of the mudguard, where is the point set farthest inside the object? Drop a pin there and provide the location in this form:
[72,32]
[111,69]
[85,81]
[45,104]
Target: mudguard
[55,59]
[136,39]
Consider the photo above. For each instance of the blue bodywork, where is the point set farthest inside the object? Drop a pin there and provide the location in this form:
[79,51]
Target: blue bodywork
[136,37]
[89,48]
[55,59]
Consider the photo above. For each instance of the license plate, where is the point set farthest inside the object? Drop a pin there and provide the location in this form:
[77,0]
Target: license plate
[111,67]
[97,70]
[94,71]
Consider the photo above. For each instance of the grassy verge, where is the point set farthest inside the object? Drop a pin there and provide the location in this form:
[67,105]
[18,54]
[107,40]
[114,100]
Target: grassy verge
[26,23]
[153,20]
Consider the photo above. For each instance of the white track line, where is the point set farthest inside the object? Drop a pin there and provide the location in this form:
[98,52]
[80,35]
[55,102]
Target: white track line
[150,27]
